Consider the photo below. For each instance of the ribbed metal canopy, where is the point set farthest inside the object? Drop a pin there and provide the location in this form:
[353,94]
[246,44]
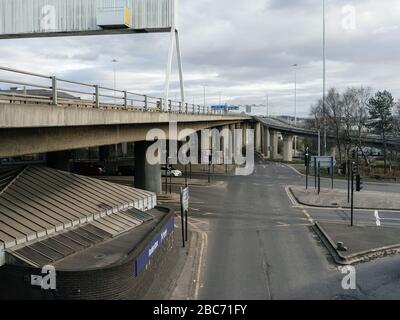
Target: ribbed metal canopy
[38,202]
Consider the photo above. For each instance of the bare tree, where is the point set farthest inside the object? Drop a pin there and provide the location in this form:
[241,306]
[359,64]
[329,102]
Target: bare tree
[363,95]
[334,112]
[350,104]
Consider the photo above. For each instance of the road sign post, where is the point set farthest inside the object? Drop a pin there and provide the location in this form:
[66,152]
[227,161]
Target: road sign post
[307,163]
[315,172]
[186,176]
[170,181]
[353,171]
[348,180]
[209,168]
[332,171]
[319,177]
[184,213]
[327,162]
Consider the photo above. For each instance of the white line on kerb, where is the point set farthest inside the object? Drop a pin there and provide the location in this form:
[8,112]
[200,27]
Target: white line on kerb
[378,219]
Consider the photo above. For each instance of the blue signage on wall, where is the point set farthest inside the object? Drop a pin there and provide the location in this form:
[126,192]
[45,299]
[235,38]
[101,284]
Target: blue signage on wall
[143,259]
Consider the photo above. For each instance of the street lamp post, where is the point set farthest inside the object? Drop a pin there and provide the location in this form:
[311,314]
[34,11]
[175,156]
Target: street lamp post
[295,107]
[204,95]
[324,71]
[114,61]
[267,104]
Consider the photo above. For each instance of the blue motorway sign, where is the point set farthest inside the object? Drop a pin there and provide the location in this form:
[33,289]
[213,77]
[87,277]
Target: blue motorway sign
[143,259]
[223,107]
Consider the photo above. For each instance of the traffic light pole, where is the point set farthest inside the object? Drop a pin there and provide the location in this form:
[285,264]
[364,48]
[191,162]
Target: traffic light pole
[349,169]
[307,160]
[315,172]
[209,168]
[332,171]
[186,176]
[353,168]
[319,177]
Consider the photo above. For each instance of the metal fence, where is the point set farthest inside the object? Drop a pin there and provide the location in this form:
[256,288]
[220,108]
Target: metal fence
[57,91]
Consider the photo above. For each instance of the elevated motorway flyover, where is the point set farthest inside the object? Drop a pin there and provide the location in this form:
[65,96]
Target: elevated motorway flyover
[53,114]
[267,129]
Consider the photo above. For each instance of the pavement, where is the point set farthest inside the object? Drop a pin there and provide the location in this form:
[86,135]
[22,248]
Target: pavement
[166,278]
[337,198]
[362,243]
[261,244]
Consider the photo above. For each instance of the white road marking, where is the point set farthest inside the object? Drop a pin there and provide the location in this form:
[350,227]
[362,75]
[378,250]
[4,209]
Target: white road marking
[291,198]
[390,219]
[309,218]
[378,219]
[203,248]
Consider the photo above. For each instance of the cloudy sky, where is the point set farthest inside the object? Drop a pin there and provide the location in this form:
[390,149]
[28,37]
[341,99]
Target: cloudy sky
[240,50]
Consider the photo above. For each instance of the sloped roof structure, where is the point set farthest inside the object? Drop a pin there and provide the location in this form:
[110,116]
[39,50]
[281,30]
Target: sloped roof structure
[38,202]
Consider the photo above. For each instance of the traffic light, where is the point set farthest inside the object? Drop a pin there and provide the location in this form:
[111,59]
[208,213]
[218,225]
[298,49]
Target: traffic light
[343,168]
[307,160]
[353,154]
[354,168]
[359,183]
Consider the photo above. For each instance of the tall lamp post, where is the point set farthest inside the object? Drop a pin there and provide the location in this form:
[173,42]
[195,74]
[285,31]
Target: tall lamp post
[324,71]
[114,61]
[295,106]
[204,95]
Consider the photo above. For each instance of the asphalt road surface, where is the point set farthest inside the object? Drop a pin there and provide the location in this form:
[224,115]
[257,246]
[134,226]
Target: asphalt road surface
[261,246]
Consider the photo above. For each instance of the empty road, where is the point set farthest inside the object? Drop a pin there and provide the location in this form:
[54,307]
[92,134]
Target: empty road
[261,246]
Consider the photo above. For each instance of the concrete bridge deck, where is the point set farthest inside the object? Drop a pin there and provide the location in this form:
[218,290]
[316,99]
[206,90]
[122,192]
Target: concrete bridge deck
[286,128]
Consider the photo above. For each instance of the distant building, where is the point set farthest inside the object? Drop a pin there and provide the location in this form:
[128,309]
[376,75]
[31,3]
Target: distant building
[37,93]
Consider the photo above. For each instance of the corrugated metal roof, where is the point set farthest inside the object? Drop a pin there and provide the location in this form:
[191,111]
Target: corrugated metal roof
[40,202]
[24,17]
[58,247]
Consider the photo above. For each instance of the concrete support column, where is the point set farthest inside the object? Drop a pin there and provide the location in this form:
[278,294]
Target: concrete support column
[244,134]
[274,144]
[232,142]
[60,160]
[267,143]
[199,146]
[124,147]
[258,137]
[223,142]
[288,148]
[147,176]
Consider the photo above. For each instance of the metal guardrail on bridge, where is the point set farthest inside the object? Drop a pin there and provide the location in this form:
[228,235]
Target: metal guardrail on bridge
[57,91]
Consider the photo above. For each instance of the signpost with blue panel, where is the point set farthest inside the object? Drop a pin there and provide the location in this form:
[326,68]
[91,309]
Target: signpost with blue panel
[321,162]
